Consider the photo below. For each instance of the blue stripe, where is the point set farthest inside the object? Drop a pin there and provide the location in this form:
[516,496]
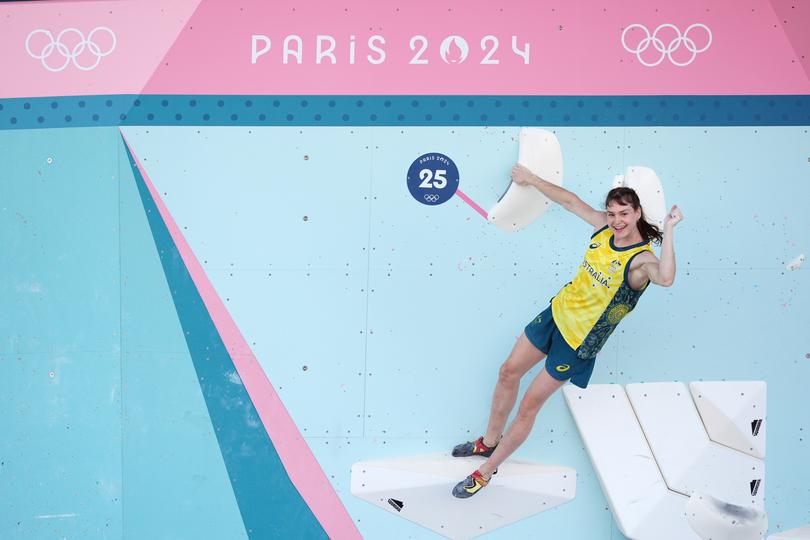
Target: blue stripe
[360,110]
[599,231]
[270,505]
[625,248]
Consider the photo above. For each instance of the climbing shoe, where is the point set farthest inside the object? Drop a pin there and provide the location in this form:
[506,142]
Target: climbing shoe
[473,448]
[470,486]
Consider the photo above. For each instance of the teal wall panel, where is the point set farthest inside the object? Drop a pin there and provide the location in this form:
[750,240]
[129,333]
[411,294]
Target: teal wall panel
[60,357]
[175,480]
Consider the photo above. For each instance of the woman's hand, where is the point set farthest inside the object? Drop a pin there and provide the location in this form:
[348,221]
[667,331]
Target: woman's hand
[522,176]
[674,217]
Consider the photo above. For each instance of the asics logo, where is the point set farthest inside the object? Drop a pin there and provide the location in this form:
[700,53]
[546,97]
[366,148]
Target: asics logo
[657,39]
[70,46]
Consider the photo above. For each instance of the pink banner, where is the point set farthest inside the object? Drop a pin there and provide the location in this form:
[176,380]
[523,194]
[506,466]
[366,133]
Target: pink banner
[547,47]
[86,48]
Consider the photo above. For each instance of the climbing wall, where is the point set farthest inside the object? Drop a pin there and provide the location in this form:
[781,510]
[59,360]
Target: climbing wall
[220,291]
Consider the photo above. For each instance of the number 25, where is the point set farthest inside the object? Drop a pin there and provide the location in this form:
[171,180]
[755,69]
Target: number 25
[439,181]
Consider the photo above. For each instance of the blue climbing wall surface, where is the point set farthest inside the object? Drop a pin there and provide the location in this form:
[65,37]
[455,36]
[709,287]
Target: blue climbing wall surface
[369,312]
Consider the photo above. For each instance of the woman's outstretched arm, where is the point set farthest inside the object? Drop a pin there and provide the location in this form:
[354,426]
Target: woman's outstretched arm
[568,200]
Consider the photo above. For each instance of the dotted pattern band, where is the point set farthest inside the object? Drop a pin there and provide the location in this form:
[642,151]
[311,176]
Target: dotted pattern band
[562,111]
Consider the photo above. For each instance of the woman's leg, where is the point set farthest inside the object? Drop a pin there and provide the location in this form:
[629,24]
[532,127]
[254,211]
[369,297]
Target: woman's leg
[539,391]
[523,357]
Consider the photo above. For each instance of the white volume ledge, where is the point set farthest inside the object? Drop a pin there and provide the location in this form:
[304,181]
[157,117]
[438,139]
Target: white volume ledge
[642,505]
[688,459]
[635,447]
[418,488]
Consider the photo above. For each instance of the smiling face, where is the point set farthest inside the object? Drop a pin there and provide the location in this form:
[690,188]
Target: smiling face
[623,220]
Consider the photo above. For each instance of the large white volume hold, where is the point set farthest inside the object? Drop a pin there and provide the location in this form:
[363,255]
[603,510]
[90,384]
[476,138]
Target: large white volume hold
[802,533]
[733,413]
[714,519]
[643,507]
[419,489]
[650,192]
[519,206]
[688,459]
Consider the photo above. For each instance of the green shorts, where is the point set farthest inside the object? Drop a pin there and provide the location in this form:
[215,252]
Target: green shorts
[562,361]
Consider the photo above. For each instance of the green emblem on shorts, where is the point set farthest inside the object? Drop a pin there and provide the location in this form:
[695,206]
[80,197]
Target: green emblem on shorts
[562,368]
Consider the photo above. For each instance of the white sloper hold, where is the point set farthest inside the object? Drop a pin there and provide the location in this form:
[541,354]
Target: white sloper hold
[419,489]
[802,533]
[733,413]
[796,263]
[540,152]
[714,519]
[650,192]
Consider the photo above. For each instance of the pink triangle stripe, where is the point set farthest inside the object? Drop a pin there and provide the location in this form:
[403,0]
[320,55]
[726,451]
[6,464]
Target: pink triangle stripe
[302,467]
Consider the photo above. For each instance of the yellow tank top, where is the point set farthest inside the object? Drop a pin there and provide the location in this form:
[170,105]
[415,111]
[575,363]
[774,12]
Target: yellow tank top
[589,308]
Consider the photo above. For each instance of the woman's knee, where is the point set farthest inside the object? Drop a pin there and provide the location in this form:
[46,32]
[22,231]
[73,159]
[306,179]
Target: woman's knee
[530,406]
[510,373]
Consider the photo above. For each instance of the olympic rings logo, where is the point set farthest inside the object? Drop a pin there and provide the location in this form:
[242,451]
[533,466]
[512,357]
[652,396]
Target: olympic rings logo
[431,197]
[70,53]
[666,50]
